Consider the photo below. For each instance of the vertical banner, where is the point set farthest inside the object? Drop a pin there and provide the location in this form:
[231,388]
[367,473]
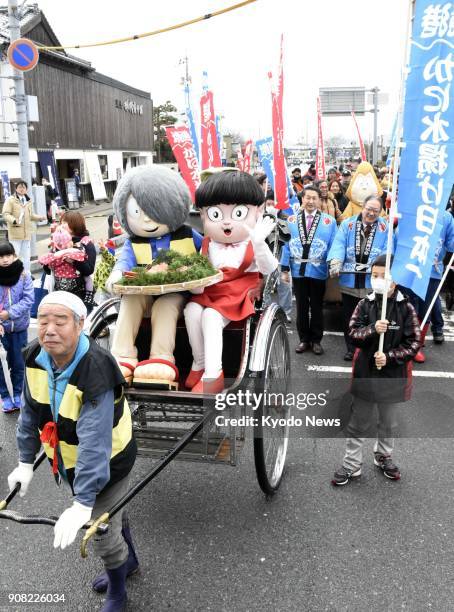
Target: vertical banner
[360,140]
[95,175]
[48,167]
[190,119]
[210,150]
[5,184]
[247,157]
[427,162]
[320,170]
[389,159]
[280,170]
[218,132]
[265,154]
[240,160]
[182,147]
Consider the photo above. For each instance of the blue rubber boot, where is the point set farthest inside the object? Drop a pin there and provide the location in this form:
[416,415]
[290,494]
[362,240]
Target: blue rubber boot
[101,582]
[116,591]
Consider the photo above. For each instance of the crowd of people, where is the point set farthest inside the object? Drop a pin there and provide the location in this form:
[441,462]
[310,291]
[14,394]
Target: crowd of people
[326,241]
[320,239]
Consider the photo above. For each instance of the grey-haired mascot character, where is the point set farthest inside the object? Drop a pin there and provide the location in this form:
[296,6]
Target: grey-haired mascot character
[151,204]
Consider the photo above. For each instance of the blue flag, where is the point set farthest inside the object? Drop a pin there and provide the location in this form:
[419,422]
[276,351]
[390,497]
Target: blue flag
[191,122]
[392,147]
[427,163]
[266,158]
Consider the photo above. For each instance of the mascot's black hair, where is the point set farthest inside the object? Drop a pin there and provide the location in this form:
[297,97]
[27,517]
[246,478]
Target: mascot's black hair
[229,188]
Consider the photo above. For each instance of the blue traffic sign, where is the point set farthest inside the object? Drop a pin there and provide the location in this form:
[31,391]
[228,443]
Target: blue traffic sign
[23,54]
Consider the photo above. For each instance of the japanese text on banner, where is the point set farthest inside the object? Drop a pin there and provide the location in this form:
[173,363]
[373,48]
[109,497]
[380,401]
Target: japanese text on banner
[427,164]
[181,142]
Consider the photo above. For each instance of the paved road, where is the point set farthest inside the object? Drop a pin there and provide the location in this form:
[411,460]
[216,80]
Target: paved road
[208,540]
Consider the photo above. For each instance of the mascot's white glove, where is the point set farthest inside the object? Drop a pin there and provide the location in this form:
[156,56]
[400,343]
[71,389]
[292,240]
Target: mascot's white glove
[335,266]
[264,258]
[113,279]
[262,230]
[23,475]
[69,523]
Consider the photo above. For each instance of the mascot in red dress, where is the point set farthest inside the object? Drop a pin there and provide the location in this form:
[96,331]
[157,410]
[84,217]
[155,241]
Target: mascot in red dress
[231,204]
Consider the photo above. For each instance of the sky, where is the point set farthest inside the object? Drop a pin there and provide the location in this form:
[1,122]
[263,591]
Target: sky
[327,43]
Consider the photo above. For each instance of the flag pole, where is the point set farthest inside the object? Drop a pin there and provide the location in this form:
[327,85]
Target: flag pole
[443,278]
[396,161]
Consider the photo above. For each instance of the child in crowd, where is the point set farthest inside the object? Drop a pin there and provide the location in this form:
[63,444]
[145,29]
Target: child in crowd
[381,378]
[61,259]
[16,299]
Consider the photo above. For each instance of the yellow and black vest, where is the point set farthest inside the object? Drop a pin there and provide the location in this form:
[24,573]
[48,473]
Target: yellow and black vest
[96,373]
[181,241]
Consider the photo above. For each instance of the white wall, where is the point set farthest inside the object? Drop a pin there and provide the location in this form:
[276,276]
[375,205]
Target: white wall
[11,164]
[114,162]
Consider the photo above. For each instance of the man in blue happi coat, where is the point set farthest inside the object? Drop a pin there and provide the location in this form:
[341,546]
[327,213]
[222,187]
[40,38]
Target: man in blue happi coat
[312,233]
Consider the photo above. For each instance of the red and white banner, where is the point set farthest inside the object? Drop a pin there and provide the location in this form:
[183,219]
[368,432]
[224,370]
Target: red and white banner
[240,160]
[361,143]
[320,170]
[280,168]
[210,149]
[247,157]
[181,142]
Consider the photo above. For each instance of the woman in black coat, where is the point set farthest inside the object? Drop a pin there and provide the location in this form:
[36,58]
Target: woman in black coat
[335,188]
[82,286]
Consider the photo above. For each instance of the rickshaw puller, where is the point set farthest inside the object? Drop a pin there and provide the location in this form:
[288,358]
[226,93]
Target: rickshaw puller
[75,406]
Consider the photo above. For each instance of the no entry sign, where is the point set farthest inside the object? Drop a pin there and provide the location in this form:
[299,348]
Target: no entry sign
[23,54]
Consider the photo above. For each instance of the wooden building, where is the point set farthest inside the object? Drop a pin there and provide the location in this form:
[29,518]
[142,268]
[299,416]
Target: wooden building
[83,115]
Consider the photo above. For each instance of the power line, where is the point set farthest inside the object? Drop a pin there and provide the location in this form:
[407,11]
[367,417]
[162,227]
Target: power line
[153,33]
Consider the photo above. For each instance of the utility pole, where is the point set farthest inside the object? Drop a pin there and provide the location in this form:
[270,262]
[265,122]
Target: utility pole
[375,91]
[19,97]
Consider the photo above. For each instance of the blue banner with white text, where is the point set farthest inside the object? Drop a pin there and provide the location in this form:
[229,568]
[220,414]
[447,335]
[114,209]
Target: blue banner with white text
[49,171]
[427,162]
[191,122]
[5,184]
[266,158]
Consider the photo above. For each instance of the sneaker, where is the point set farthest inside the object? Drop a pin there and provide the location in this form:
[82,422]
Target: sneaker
[17,402]
[439,337]
[7,405]
[343,475]
[348,356]
[384,462]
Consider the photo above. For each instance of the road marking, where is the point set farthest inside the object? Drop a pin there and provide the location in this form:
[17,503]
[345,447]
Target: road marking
[348,370]
[449,335]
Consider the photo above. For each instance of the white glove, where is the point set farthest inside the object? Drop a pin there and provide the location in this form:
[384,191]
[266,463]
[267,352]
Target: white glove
[69,523]
[114,277]
[262,230]
[23,474]
[335,266]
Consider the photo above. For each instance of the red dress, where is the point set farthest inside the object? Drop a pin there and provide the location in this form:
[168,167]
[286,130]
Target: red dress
[230,297]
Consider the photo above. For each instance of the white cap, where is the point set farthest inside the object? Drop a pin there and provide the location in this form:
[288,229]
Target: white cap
[64,298]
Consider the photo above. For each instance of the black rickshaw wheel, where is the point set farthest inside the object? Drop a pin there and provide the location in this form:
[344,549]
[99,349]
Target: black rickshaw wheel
[270,443]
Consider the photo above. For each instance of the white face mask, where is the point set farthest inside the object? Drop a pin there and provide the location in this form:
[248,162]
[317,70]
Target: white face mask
[380,285]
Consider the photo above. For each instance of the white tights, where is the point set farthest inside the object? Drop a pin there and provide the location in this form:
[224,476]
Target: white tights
[204,327]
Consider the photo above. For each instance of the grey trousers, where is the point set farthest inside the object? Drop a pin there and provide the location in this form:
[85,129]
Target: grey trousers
[360,421]
[111,547]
